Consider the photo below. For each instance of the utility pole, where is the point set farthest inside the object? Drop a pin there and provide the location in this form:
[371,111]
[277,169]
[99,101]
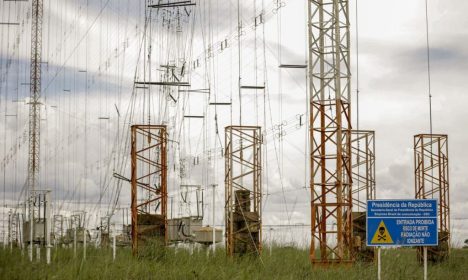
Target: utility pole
[271,240]
[9,228]
[84,243]
[113,242]
[47,224]
[34,110]
[85,236]
[74,241]
[213,218]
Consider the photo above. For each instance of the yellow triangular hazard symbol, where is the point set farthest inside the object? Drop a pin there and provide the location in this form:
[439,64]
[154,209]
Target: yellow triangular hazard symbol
[381,235]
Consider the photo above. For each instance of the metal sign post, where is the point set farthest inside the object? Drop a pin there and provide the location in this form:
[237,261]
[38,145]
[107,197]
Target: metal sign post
[425,262]
[410,223]
[378,264]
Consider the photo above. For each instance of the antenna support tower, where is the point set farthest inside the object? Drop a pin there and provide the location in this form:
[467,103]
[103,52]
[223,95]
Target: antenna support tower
[363,175]
[432,181]
[149,184]
[243,190]
[34,108]
[330,132]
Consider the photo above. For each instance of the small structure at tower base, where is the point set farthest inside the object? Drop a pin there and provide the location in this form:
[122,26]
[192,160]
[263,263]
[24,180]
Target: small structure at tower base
[151,227]
[246,225]
[204,235]
[363,253]
[437,254]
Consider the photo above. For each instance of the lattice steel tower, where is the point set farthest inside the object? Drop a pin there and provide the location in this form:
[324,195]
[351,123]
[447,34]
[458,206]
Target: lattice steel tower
[432,181]
[149,184]
[330,131]
[363,175]
[34,104]
[243,190]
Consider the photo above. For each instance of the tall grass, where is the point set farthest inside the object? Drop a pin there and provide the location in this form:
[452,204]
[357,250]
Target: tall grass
[168,263]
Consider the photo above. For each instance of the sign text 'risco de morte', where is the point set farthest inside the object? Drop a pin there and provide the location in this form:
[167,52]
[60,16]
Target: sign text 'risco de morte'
[402,222]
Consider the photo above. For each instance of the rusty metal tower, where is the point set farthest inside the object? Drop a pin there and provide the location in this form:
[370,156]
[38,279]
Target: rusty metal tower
[330,132]
[243,190]
[432,181]
[363,175]
[149,184]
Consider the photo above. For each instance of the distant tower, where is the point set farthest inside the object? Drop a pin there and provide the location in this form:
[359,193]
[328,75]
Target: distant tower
[34,108]
[330,132]
[432,181]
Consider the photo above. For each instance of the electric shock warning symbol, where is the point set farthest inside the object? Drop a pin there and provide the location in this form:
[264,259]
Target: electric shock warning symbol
[381,235]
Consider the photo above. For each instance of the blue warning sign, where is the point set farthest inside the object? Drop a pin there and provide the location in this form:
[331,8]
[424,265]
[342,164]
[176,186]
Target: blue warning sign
[402,222]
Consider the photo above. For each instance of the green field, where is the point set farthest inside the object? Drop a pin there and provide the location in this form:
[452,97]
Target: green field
[284,263]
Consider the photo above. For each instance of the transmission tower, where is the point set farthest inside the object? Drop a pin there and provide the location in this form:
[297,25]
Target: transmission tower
[330,132]
[34,109]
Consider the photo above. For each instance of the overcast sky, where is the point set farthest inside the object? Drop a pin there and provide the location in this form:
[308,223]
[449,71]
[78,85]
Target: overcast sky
[83,137]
